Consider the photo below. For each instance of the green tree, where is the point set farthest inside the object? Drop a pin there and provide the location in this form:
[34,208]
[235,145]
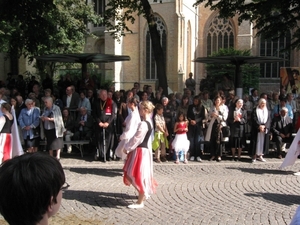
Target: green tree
[33,27]
[272,18]
[119,12]
[215,72]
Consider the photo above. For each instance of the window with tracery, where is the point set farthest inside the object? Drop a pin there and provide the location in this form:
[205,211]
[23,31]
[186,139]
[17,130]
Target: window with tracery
[99,8]
[219,35]
[274,48]
[150,61]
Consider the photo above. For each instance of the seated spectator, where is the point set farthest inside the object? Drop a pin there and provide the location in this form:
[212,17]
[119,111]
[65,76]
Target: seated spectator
[282,129]
[57,101]
[41,198]
[83,125]
[84,102]
[69,124]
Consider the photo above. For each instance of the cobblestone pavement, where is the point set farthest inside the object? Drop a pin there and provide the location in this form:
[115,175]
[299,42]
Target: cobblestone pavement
[196,193]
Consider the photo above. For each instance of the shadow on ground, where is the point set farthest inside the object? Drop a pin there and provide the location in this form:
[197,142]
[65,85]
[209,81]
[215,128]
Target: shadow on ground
[261,171]
[283,199]
[109,172]
[101,199]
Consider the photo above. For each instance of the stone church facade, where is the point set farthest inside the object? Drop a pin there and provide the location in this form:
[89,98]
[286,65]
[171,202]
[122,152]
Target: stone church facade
[187,32]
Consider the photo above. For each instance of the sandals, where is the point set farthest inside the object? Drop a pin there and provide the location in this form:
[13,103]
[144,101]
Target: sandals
[176,162]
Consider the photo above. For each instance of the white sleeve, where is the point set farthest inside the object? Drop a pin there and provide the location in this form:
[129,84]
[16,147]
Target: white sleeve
[138,137]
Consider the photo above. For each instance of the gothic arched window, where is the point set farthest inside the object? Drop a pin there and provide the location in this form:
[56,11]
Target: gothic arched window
[150,61]
[274,48]
[219,35]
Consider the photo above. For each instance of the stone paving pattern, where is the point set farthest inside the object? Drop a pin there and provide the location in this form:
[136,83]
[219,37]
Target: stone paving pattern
[196,193]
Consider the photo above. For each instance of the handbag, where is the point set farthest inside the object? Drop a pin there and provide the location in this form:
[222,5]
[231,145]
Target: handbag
[225,131]
[36,131]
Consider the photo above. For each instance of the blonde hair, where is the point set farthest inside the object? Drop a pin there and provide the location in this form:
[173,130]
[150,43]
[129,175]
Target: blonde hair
[147,105]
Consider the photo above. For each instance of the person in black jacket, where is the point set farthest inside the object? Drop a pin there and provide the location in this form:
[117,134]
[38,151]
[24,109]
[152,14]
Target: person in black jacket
[282,129]
[237,118]
[195,115]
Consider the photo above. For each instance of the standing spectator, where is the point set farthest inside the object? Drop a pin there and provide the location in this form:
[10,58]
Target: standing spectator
[104,115]
[195,115]
[60,86]
[136,85]
[71,99]
[29,121]
[237,118]
[282,129]
[168,113]
[254,97]
[69,125]
[150,93]
[84,102]
[57,101]
[190,83]
[20,102]
[135,95]
[206,101]
[67,81]
[91,96]
[184,105]
[248,106]
[275,100]
[158,97]
[47,83]
[21,85]
[87,82]
[218,116]
[31,83]
[40,198]
[261,123]
[160,142]
[277,108]
[181,142]
[53,127]
[292,103]
[227,84]
[32,96]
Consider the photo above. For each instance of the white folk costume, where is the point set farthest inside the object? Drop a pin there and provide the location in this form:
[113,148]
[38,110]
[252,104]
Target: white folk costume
[138,167]
[10,145]
[132,121]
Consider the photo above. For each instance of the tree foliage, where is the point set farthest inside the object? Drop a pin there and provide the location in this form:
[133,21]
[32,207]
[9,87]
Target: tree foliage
[33,27]
[215,72]
[272,18]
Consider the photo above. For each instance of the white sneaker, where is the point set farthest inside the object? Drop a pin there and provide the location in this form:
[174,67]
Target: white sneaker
[192,158]
[198,159]
[136,206]
[253,160]
[297,174]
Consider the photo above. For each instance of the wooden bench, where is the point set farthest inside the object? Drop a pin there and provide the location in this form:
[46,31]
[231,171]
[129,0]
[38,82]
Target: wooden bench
[77,143]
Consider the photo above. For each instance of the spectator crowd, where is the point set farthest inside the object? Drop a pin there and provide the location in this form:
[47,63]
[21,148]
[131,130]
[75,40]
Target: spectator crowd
[208,123]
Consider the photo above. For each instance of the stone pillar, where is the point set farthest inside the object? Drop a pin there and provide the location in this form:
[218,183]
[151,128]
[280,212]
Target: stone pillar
[181,84]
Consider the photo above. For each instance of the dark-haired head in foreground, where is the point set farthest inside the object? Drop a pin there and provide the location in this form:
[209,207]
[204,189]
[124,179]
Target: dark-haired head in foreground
[30,188]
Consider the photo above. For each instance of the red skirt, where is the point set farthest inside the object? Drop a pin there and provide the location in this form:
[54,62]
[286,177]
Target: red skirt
[5,147]
[138,171]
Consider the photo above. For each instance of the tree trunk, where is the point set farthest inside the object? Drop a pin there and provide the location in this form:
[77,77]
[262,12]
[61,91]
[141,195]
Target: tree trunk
[157,48]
